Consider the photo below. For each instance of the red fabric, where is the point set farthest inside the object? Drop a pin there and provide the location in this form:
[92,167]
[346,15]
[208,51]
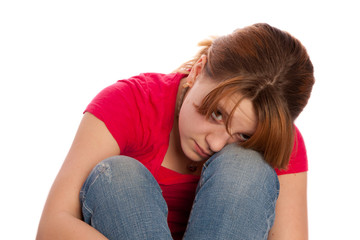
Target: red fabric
[179,193]
[139,113]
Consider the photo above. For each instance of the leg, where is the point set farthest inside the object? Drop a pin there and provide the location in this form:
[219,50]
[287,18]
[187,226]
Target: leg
[122,200]
[236,197]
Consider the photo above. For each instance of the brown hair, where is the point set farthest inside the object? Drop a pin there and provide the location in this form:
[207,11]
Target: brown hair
[272,69]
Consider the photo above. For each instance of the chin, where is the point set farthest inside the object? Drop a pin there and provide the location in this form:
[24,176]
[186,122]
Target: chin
[189,151]
[191,154]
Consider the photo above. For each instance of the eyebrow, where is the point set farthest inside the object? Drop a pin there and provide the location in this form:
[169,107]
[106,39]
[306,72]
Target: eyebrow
[226,116]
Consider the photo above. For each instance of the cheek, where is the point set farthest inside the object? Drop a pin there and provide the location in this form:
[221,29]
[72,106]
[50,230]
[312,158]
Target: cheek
[186,115]
[184,125]
[191,122]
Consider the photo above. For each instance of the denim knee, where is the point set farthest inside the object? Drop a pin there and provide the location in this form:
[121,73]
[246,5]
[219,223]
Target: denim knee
[237,165]
[235,198]
[120,170]
[122,200]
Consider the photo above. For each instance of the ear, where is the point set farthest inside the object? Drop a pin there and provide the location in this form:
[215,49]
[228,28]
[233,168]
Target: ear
[196,70]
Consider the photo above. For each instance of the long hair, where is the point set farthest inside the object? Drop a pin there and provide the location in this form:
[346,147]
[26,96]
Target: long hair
[269,67]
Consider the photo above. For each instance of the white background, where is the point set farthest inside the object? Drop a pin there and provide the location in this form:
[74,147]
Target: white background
[56,55]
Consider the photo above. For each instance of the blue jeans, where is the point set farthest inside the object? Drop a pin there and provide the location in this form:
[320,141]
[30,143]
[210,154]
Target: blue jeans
[235,199]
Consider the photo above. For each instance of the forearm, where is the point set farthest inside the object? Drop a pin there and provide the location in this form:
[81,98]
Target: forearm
[66,226]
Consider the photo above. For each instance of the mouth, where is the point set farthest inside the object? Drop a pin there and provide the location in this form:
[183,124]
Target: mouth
[201,152]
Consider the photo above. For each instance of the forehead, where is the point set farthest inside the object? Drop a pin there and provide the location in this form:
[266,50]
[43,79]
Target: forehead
[244,118]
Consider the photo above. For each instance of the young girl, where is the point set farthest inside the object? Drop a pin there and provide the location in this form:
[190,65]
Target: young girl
[207,152]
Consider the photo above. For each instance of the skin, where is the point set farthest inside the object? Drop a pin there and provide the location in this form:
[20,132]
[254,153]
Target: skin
[61,218]
[291,220]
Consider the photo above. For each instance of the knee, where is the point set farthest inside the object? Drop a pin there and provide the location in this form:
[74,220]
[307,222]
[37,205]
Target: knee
[116,192]
[119,168]
[238,183]
[240,171]
[115,167]
[114,175]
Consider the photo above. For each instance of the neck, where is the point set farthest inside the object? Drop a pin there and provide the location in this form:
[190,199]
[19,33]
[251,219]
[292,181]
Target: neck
[175,159]
[181,93]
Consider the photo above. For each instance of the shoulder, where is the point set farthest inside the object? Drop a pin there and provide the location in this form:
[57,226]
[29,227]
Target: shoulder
[137,89]
[150,90]
[134,108]
[151,80]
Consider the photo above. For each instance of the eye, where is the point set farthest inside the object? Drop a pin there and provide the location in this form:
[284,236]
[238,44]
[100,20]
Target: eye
[217,116]
[243,137]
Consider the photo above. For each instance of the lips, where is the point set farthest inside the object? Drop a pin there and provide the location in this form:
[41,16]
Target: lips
[201,152]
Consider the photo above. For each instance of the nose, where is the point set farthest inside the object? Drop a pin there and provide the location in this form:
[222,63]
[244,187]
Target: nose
[219,139]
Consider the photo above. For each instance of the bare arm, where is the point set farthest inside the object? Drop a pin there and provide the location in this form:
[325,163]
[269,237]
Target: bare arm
[291,209]
[61,218]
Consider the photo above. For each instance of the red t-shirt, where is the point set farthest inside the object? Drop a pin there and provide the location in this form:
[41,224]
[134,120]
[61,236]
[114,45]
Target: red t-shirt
[139,113]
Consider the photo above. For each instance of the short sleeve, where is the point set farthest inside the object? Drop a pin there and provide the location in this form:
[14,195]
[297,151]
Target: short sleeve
[298,160]
[118,107]
[138,112]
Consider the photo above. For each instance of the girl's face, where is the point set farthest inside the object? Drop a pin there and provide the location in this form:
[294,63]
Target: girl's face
[201,137]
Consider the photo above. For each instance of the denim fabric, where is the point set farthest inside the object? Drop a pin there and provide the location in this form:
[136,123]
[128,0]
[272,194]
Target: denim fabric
[122,200]
[235,199]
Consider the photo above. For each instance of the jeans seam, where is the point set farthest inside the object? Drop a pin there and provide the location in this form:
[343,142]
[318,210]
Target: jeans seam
[99,173]
[201,182]
[87,208]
